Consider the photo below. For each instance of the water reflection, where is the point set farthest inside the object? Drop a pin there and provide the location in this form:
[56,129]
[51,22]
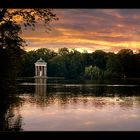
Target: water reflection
[82,113]
[10,118]
[40,87]
[42,106]
[40,91]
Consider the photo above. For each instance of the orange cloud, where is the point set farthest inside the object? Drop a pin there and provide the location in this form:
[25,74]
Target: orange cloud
[89,29]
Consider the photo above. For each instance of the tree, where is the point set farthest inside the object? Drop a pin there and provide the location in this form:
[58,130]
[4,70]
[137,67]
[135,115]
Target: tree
[57,67]
[74,65]
[114,68]
[137,64]
[126,59]
[10,25]
[45,53]
[63,51]
[99,59]
[93,72]
[86,59]
[29,17]
[27,64]
[10,54]
[11,44]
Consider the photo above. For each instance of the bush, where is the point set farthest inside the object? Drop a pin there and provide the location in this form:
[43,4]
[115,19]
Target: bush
[93,72]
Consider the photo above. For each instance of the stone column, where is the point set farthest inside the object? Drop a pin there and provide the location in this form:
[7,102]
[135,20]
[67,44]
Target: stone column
[41,71]
[44,70]
[35,70]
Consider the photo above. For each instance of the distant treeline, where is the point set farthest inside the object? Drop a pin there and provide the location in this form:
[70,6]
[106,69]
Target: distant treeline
[72,64]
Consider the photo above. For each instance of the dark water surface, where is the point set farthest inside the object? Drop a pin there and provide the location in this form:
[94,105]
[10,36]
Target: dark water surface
[59,105]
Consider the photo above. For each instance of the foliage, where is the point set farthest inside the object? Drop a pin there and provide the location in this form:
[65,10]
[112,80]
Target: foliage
[126,59]
[56,67]
[93,72]
[113,65]
[9,36]
[27,64]
[74,65]
[11,44]
[28,17]
[10,53]
[99,59]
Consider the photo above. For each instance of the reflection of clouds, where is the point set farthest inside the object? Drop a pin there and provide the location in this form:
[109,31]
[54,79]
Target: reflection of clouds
[89,123]
[130,116]
[63,112]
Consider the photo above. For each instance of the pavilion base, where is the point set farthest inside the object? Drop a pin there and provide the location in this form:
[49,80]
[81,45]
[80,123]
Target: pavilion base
[45,77]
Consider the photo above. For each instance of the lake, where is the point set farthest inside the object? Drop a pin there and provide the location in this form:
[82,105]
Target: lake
[60,105]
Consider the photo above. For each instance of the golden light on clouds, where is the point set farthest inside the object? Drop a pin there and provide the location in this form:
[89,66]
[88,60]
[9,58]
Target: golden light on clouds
[88,29]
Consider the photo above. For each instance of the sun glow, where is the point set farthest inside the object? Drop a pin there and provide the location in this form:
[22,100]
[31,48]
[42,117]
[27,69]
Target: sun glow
[113,30]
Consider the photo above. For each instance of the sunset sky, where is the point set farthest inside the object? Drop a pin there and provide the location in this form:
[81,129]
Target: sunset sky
[88,29]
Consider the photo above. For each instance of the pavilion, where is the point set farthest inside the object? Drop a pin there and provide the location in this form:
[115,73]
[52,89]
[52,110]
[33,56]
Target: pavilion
[40,68]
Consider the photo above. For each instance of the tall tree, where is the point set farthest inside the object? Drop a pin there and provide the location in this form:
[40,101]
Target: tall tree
[126,58]
[99,59]
[10,53]
[114,68]
[137,64]
[11,44]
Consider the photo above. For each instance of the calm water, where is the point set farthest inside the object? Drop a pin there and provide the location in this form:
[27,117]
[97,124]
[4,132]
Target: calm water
[66,106]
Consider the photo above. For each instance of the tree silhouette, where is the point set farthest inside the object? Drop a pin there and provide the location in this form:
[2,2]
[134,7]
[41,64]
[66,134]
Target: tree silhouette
[11,44]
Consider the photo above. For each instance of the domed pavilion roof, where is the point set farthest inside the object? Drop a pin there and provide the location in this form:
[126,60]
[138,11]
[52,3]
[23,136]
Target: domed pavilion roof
[40,62]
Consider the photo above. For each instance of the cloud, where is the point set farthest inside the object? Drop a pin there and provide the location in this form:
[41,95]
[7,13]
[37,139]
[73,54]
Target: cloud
[107,29]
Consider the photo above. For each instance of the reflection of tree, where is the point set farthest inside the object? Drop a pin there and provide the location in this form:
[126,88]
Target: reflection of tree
[15,123]
[81,95]
[126,103]
[123,91]
[47,95]
[10,120]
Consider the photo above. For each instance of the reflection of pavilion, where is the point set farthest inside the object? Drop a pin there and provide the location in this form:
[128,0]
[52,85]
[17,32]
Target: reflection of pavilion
[40,86]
